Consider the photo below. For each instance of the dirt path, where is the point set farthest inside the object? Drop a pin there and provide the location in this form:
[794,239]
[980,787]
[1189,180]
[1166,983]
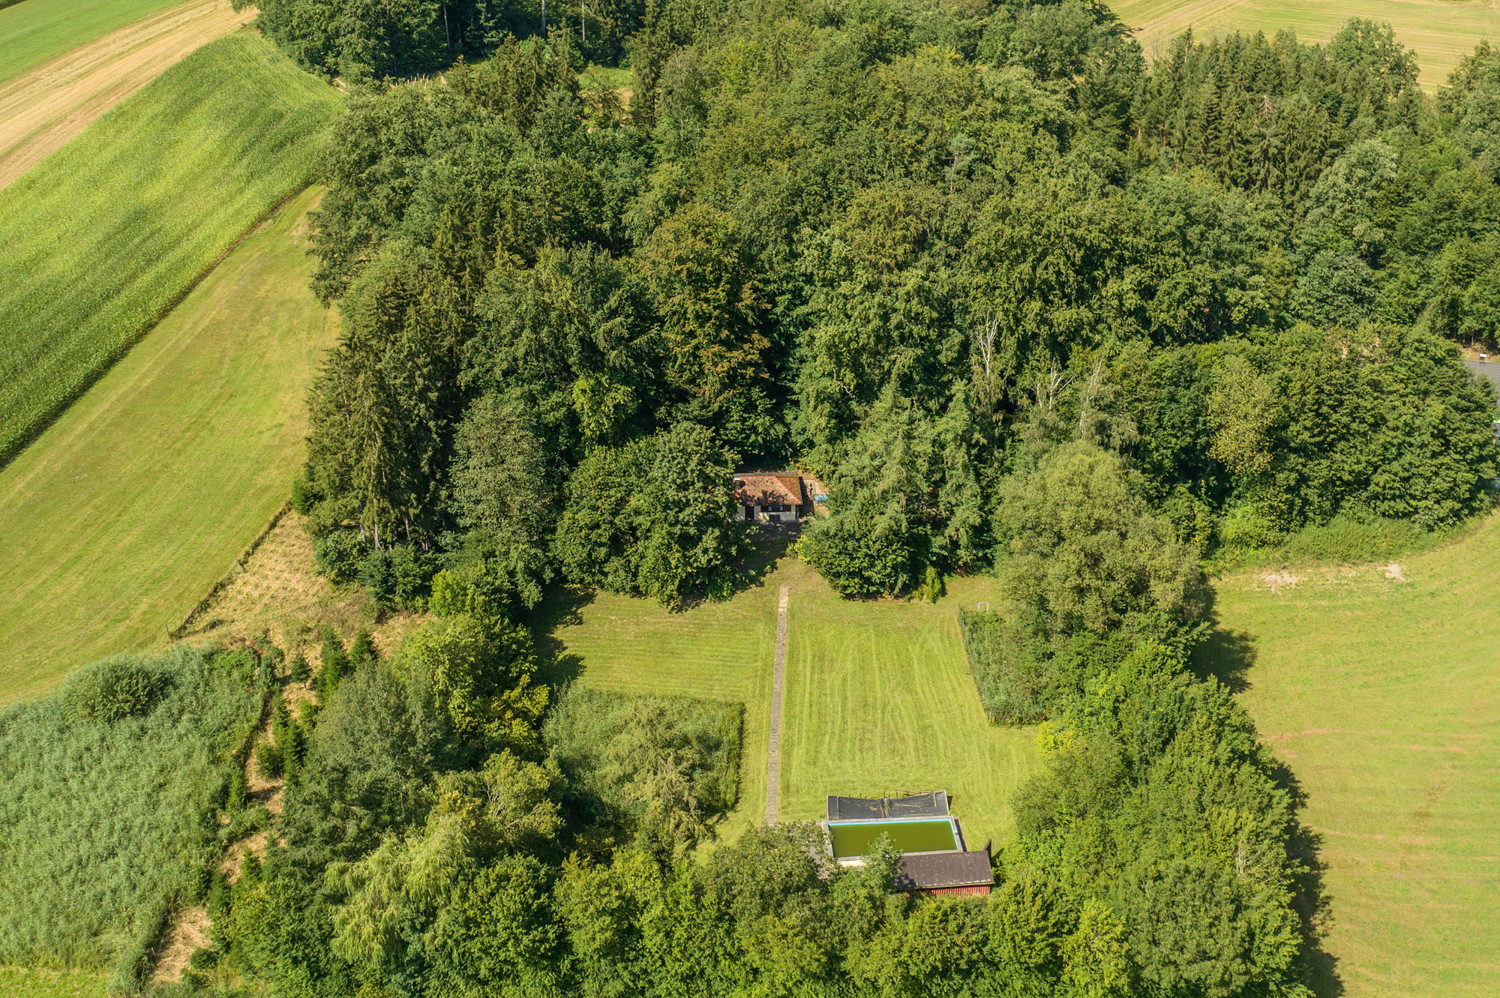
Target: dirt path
[42,109]
[778,681]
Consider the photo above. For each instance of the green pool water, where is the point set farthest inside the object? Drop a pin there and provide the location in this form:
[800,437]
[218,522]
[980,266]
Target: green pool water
[858,838]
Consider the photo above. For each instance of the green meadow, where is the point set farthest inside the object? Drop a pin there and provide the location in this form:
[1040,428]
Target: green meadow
[111,231]
[129,507]
[1440,31]
[31,982]
[33,31]
[878,695]
[1379,687]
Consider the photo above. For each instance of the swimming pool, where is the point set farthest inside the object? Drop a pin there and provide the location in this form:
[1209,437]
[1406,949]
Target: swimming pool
[852,839]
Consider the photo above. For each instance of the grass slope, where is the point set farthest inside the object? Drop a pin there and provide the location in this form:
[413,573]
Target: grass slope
[1441,31]
[118,519]
[33,31]
[878,695]
[1383,697]
[110,231]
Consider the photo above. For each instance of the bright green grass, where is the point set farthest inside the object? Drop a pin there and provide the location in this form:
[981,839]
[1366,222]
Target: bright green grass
[28,982]
[103,237]
[33,31]
[1383,697]
[858,838]
[878,695]
[118,519]
[1441,31]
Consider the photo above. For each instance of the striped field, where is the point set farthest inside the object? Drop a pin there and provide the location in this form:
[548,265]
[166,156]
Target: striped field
[878,694]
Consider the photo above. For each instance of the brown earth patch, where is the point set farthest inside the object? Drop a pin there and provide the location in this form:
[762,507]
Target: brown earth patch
[42,109]
[188,934]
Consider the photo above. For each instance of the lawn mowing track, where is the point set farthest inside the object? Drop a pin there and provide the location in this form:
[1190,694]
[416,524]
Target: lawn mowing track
[1380,690]
[778,684]
[1440,31]
[140,496]
[42,109]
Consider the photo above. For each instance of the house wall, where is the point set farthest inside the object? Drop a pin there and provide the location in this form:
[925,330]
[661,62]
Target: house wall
[977,891]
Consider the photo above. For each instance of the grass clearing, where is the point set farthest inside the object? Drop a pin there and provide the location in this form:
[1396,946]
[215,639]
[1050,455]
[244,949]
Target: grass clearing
[123,514]
[1441,31]
[1379,686]
[112,230]
[34,31]
[878,694]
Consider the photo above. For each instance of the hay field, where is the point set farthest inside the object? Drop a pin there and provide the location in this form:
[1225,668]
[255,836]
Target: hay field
[1379,687]
[878,694]
[112,230]
[119,518]
[34,31]
[1441,31]
[42,108]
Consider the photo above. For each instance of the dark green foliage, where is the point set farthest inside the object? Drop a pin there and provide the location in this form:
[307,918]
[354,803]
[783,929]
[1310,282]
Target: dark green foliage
[339,554]
[654,517]
[334,666]
[104,824]
[116,688]
[363,651]
[660,768]
[399,577]
[300,671]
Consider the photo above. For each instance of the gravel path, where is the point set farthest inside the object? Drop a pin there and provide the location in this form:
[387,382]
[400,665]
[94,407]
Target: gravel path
[773,767]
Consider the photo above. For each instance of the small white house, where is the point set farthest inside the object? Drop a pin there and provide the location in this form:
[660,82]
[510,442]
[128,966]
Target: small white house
[769,498]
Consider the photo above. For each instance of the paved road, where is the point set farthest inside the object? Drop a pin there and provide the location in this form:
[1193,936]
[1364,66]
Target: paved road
[773,766]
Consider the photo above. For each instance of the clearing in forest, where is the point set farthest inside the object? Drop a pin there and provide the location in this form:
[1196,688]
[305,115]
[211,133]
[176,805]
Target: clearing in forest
[44,107]
[1441,31]
[106,235]
[878,696]
[129,507]
[1380,690]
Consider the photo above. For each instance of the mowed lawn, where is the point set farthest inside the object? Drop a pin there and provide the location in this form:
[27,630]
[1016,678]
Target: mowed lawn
[1440,31]
[878,695]
[107,234]
[1383,697]
[33,31]
[121,516]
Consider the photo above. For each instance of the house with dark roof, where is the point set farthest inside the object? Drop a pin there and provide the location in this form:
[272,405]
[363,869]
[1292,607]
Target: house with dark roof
[775,497]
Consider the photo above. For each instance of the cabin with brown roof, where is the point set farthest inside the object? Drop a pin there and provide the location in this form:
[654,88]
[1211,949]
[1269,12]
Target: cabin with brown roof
[770,497]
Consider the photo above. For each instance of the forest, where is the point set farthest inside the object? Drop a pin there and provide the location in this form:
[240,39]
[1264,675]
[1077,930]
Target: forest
[1027,305]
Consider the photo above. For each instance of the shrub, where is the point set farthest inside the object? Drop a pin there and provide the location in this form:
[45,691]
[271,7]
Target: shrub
[339,555]
[115,688]
[300,669]
[398,578]
[269,760]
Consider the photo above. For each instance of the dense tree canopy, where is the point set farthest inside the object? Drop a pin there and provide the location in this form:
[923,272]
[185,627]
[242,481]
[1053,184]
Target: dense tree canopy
[1025,304]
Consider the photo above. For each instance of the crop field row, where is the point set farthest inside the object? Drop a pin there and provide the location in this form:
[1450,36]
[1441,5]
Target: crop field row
[878,694]
[1440,31]
[1379,686]
[110,232]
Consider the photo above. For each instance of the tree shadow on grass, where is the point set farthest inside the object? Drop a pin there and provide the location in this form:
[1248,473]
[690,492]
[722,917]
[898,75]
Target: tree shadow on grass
[1312,901]
[1225,655]
[559,608]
